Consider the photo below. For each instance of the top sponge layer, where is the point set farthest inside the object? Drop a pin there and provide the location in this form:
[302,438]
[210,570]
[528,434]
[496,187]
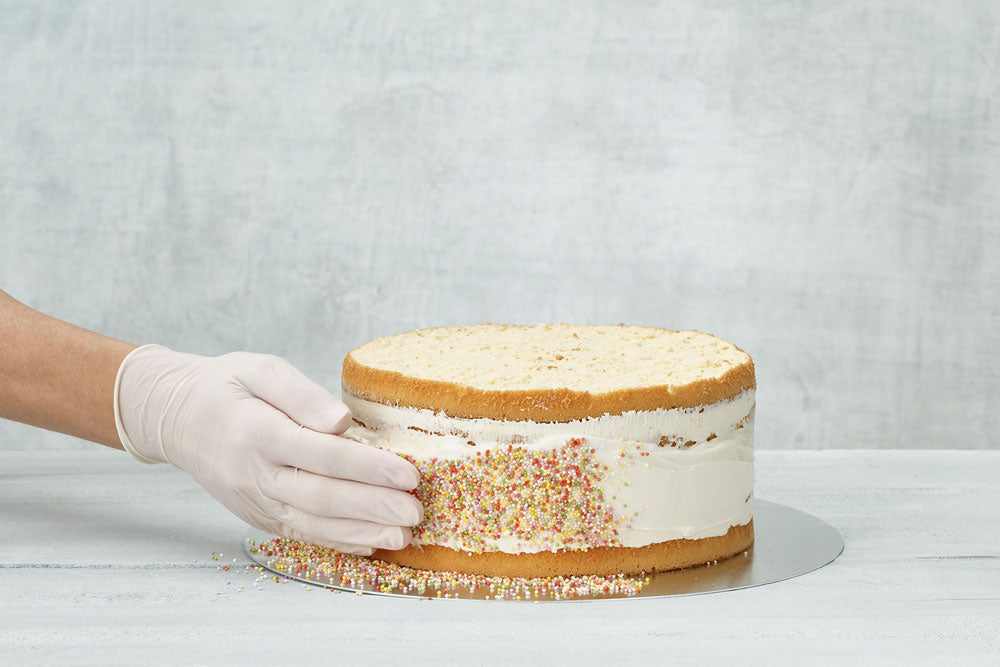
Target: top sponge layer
[552,372]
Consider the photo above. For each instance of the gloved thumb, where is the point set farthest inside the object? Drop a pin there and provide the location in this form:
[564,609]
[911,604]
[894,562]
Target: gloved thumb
[281,384]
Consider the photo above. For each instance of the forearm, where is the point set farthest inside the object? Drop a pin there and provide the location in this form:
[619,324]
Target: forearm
[251,429]
[56,375]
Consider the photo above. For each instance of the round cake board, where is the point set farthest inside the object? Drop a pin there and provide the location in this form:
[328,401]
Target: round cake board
[787,543]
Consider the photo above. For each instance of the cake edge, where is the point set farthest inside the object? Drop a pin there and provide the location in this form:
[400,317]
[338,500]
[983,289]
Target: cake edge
[600,561]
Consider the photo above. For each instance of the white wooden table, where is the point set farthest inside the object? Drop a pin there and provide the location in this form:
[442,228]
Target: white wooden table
[105,560]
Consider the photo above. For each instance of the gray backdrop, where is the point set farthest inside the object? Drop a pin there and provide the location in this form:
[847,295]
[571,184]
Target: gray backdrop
[817,181]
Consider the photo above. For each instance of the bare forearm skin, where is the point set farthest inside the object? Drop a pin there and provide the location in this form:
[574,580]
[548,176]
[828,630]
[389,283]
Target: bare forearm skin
[56,375]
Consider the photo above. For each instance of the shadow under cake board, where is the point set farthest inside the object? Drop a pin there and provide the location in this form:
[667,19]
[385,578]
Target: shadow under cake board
[787,543]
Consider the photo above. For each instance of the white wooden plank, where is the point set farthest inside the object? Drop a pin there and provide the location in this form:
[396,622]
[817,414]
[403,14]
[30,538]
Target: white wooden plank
[97,562]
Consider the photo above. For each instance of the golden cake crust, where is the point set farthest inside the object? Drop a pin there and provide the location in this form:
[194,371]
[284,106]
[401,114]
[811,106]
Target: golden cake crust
[540,405]
[658,557]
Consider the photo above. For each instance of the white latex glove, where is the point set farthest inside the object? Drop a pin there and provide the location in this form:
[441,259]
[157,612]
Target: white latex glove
[260,437]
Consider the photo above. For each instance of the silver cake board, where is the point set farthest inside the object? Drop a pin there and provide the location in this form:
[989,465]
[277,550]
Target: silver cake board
[788,543]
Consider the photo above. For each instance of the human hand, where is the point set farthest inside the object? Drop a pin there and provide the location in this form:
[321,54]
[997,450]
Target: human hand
[262,438]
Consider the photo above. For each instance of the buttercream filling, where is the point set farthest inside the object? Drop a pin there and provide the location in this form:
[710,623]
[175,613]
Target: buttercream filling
[684,473]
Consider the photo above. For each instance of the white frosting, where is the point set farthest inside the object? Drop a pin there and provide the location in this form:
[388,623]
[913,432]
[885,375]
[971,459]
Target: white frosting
[671,493]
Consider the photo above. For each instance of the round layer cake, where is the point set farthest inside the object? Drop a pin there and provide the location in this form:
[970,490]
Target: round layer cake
[563,449]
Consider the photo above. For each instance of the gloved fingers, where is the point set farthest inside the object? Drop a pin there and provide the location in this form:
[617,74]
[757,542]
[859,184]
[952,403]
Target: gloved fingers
[278,382]
[273,527]
[329,497]
[330,532]
[333,456]
[350,548]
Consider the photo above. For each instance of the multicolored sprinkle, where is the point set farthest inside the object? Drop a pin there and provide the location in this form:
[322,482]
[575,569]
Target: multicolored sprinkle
[548,500]
[324,565]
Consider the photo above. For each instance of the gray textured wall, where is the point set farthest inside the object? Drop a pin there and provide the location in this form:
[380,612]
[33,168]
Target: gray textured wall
[817,181]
